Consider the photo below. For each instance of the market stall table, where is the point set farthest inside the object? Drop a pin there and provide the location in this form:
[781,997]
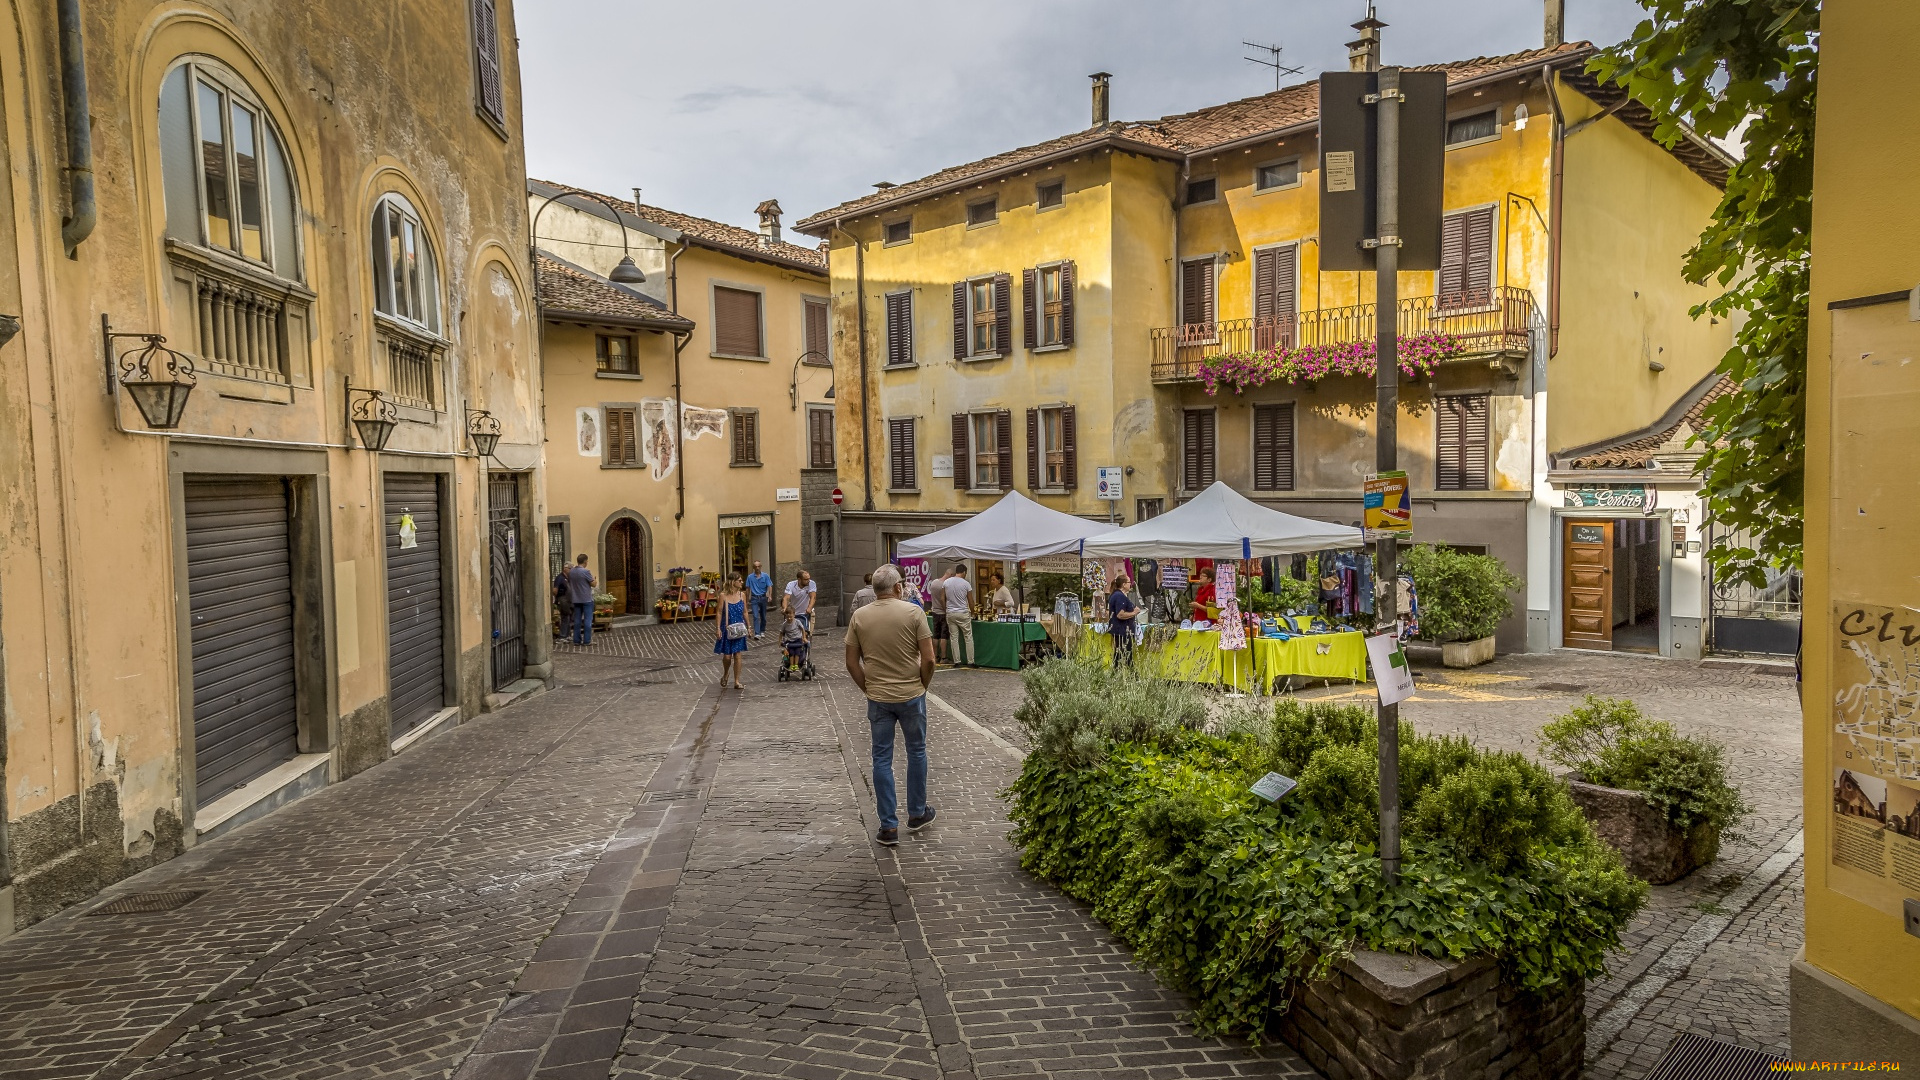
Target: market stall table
[998,644]
[1195,656]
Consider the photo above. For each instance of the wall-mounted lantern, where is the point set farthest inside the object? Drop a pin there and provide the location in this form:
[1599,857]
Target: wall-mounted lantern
[373,416]
[157,378]
[484,429]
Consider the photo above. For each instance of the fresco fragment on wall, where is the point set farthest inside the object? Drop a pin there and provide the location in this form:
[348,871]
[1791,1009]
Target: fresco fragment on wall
[659,443]
[586,423]
[695,422]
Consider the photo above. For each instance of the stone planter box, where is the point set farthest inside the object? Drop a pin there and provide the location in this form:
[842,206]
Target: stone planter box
[1466,653]
[1384,1016]
[1647,842]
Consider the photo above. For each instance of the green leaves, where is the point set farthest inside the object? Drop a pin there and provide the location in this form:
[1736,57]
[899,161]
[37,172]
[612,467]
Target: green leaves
[1462,597]
[1609,742]
[1707,67]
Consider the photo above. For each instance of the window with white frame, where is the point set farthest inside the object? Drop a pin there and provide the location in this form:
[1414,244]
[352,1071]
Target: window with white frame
[406,281]
[223,170]
[985,449]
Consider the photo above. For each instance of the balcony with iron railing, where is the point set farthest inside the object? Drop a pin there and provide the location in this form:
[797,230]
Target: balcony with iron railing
[1489,325]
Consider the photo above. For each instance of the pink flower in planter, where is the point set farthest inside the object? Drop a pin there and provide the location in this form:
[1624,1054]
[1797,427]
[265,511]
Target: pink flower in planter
[1419,355]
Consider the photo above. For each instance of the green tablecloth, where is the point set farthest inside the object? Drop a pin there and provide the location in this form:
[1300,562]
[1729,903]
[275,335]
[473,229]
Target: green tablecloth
[997,644]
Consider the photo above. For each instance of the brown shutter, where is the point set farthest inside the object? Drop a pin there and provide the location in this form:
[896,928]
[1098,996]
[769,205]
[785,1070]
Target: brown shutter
[962,459]
[1478,283]
[959,320]
[736,322]
[1460,463]
[900,455]
[1003,434]
[1033,446]
[1196,292]
[899,329]
[816,329]
[819,439]
[486,59]
[1070,449]
[1273,448]
[1198,470]
[1453,258]
[1030,305]
[1003,314]
[1066,305]
[1265,270]
[746,438]
[622,448]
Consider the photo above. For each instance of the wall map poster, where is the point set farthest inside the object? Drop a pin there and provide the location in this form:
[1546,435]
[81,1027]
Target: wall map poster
[1876,755]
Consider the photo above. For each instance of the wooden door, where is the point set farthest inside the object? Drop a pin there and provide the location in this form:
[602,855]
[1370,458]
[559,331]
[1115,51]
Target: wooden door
[1587,570]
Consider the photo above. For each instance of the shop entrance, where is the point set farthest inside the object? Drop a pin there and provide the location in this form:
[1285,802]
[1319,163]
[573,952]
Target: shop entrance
[1587,576]
[625,565]
[744,540]
[1610,584]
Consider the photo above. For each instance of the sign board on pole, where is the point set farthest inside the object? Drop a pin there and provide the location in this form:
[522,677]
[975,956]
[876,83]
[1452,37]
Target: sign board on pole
[1109,481]
[1348,175]
[1388,511]
[1391,675]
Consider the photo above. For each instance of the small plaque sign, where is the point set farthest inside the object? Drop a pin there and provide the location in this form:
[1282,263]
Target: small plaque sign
[1272,786]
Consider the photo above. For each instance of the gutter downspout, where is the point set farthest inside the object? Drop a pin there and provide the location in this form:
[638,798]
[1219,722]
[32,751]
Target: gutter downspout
[1557,183]
[73,94]
[679,406]
[860,310]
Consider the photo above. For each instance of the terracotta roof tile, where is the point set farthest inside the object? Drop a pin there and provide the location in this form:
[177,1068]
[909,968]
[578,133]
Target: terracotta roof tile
[1634,452]
[1191,132]
[716,234]
[566,289]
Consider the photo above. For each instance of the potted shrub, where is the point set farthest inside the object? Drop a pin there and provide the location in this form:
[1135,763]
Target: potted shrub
[1659,798]
[1462,598]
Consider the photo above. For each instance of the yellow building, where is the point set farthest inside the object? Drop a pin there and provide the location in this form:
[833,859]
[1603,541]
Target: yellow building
[733,324]
[205,613]
[1856,989]
[1133,251]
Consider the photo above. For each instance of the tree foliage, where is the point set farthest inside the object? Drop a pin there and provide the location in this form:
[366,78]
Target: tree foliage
[1710,66]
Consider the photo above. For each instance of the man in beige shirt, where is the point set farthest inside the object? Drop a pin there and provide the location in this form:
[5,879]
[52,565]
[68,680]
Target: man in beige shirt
[890,656]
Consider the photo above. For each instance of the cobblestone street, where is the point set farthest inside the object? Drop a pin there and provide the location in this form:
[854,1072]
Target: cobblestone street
[638,874]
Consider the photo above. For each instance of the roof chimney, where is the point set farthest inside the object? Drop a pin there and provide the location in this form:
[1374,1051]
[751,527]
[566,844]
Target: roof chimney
[769,212]
[1364,54]
[1100,113]
[1556,23]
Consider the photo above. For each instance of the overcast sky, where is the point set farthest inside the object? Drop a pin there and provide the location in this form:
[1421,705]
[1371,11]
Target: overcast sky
[710,107]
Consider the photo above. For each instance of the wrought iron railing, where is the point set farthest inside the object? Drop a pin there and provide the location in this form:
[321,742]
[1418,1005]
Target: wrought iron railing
[242,330]
[1487,323]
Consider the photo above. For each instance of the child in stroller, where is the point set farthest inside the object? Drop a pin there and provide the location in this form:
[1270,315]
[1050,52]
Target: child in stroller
[794,638]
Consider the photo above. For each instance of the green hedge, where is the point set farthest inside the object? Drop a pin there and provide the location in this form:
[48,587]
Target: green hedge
[1463,597]
[1135,803]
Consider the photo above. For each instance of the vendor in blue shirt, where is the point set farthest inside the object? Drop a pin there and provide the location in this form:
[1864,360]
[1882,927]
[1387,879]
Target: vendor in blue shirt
[759,591]
[1122,612]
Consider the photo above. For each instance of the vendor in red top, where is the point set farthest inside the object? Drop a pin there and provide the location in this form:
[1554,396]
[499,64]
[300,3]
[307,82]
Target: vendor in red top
[1203,594]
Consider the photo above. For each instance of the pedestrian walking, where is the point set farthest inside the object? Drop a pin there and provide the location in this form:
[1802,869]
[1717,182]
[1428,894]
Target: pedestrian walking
[562,604]
[937,608]
[799,598]
[960,618]
[865,595]
[730,629]
[1122,613]
[580,585]
[890,656]
[759,595]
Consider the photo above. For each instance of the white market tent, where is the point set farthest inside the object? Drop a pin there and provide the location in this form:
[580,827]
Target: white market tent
[1014,529]
[1220,523]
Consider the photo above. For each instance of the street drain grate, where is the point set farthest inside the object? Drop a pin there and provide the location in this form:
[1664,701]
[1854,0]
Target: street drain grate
[142,903]
[683,795]
[1561,687]
[1696,1057]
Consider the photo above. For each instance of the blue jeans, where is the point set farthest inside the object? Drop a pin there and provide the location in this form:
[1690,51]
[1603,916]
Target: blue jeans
[583,624]
[911,716]
[759,605]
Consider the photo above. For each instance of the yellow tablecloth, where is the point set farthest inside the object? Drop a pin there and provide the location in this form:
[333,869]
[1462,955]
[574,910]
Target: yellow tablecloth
[1195,656]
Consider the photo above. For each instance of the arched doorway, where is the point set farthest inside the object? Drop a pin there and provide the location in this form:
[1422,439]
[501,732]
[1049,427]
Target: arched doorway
[625,563]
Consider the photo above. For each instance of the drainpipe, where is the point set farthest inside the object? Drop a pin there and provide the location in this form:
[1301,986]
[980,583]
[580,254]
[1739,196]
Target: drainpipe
[73,93]
[679,405]
[1558,172]
[860,310]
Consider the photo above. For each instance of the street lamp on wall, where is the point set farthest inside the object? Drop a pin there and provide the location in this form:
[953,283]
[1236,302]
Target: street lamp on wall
[157,378]
[372,415]
[484,429]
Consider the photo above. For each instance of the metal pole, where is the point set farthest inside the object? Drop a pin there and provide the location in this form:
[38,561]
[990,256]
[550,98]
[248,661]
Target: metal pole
[1386,427]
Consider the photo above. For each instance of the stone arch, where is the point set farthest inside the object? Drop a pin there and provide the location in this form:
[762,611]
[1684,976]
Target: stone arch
[635,560]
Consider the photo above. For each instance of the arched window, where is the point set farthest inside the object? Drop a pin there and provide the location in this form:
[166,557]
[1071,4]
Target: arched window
[406,281]
[223,170]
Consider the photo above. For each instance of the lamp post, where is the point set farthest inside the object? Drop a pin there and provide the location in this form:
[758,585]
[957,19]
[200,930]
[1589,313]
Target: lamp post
[626,272]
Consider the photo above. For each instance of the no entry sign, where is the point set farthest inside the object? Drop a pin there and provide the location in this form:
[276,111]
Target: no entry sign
[837,496]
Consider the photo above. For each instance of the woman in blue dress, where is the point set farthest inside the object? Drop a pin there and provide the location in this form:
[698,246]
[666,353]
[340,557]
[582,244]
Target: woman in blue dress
[730,630]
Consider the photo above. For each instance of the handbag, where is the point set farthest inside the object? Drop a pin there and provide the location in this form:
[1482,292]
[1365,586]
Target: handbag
[736,631]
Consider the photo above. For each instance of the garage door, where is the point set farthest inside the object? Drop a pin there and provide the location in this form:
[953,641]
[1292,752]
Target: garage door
[240,600]
[415,657]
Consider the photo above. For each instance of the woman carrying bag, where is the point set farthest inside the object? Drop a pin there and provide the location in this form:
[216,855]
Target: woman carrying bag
[730,629]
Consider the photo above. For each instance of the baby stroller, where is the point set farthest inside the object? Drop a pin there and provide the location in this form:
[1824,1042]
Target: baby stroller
[796,664]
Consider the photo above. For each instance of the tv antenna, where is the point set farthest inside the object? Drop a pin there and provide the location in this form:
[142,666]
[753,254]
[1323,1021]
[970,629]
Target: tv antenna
[1273,51]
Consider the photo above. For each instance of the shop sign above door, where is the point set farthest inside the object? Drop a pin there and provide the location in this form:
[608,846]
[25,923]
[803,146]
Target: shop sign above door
[744,521]
[1612,497]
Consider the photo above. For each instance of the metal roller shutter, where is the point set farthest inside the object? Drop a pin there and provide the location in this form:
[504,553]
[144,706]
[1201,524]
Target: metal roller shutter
[415,645]
[240,599]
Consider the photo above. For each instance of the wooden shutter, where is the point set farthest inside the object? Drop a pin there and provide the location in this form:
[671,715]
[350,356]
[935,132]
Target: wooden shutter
[1466,258]
[1273,447]
[960,320]
[1453,256]
[1066,304]
[1003,435]
[746,437]
[1003,314]
[1197,457]
[899,329]
[816,330]
[736,322]
[486,59]
[900,457]
[621,446]
[1460,461]
[1030,306]
[1033,445]
[1196,292]
[962,459]
[1070,472]
[819,439]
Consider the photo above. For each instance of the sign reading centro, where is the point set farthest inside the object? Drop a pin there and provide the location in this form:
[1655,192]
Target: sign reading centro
[1612,497]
